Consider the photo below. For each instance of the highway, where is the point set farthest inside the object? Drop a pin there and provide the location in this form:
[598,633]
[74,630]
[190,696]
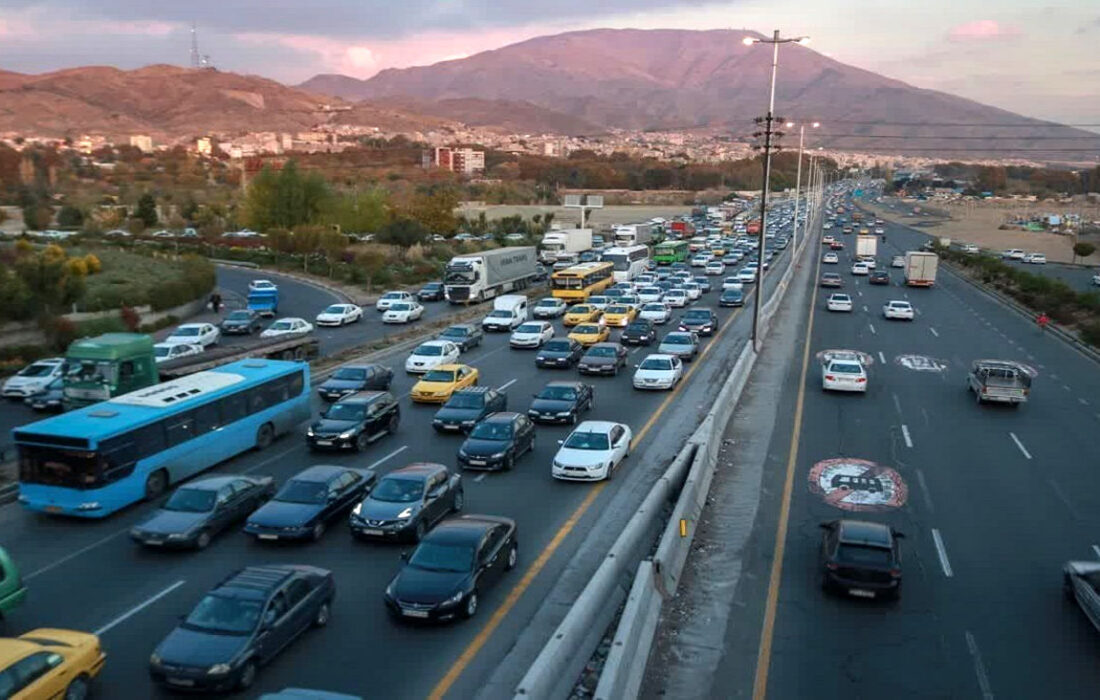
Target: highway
[995,500]
[88,575]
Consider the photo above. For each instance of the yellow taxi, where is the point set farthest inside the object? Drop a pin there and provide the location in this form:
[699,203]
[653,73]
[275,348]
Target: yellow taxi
[619,315]
[590,333]
[49,663]
[581,313]
[437,385]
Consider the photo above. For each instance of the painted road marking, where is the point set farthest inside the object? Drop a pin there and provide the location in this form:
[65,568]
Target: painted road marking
[505,385]
[872,327]
[979,667]
[135,610]
[1083,402]
[1097,550]
[480,477]
[897,403]
[864,308]
[942,552]
[391,455]
[905,434]
[72,556]
[881,357]
[1066,387]
[1020,445]
[272,458]
[933,331]
[925,493]
[1063,498]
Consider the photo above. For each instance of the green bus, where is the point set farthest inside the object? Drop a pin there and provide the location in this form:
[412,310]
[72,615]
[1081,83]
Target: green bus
[670,252]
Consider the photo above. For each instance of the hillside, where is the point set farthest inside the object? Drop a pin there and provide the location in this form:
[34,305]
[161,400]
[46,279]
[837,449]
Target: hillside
[657,79]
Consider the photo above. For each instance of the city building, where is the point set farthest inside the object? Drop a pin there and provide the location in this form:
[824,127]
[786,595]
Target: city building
[142,142]
[460,160]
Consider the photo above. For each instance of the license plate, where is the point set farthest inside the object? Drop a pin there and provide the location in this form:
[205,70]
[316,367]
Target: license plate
[324,443]
[269,537]
[372,532]
[860,593]
[415,613]
[154,542]
[477,462]
[53,509]
[186,682]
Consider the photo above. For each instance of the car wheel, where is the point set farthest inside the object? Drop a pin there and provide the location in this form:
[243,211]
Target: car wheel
[509,462]
[264,436]
[573,418]
[513,557]
[203,540]
[470,609]
[419,531]
[391,427]
[321,618]
[459,501]
[248,675]
[156,484]
[78,689]
[615,371]
[362,442]
[318,531]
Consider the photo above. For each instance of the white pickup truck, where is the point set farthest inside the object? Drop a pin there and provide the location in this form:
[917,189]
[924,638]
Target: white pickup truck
[999,381]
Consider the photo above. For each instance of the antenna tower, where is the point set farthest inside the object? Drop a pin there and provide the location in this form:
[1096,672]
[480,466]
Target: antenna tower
[196,59]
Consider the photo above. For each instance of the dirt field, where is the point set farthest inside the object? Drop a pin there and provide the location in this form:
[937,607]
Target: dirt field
[617,214]
[977,222]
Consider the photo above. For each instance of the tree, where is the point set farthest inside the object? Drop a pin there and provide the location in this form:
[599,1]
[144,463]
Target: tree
[147,210]
[362,211]
[70,217]
[284,199]
[54,282]
[1083,250]
[36,216]
[434,209]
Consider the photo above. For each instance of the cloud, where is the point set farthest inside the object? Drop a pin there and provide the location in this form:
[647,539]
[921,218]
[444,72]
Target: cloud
[982,30]
[1089,26]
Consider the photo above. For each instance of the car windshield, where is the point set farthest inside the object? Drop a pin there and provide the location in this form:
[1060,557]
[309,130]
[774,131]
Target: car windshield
[587,329]
[335,309]
[862,555]
[638,327]
[281,326]
[455,332]
[433,286]
[346,411]
[558,393]
[617,309]
[587,441]
[224,615]
[845,368]
[464,399]
[500,313]
[186,331]
[677,293]
[440,375]
[656,363]
[552,303]
[191,501]
[398,490]
[399,307]
[841,297]
[159,350]
[582,309]
[697,315]
[305,492]
[239,316]
[653,307]
[601,352]
[651,290]
[433,556]
[678,339]
[429,350]
[529,328]
[492,430]
[351,374]
[391,295]
[556,346]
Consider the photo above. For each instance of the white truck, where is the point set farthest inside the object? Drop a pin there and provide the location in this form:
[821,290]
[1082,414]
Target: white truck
[634,234]
[564,241]
[920,268]
[866,246]
[480,276]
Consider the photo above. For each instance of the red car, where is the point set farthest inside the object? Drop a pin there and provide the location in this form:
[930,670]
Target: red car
[836,245]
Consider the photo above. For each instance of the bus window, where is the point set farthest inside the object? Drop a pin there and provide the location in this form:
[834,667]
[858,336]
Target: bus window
[206,418]
[56,467]
[179,429]
[233,408]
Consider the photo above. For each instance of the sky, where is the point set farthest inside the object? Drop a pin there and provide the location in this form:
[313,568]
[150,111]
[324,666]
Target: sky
[1025,56]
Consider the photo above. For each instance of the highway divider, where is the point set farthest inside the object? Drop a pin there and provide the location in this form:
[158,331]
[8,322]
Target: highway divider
[555,669]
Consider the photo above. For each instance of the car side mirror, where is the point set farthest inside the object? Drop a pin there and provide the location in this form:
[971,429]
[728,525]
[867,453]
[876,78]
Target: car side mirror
[561,442]
[899,535]
[637,366]
[332,497]
[826,526]
[405,555]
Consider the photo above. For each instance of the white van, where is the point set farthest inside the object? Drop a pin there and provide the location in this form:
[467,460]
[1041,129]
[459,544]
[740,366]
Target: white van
[508,312]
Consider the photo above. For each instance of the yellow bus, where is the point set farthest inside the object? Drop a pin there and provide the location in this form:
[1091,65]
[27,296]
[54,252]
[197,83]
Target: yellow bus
[575,284]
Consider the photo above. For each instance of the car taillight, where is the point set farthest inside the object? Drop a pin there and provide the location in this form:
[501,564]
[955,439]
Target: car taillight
[895,573]
[985,390]
[830,377]
[831,565]
[861,380]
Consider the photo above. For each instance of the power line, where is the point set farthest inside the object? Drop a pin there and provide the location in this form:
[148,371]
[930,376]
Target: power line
[959,138]
[964,124]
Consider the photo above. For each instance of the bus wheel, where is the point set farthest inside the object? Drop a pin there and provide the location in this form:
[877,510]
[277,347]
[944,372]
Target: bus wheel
[156,483]
[264,436]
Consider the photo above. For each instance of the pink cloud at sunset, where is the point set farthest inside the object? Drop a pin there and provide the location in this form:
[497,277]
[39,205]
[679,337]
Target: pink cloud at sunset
[982,30]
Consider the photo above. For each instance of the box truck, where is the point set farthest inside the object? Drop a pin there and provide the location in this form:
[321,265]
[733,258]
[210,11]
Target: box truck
[635,234]
[480,276]
[920,268]
[556,243]
[866,246]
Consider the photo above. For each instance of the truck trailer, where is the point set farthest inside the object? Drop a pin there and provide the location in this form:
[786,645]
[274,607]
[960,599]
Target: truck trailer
[635,234]
[866,246]
[564,241]
[920,268]
[480,276]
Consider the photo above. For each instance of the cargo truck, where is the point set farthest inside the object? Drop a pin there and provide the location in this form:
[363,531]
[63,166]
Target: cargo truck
[480,276]
[866,246]
[265,301]
[564,241]
[920,268]
[113,364]
[635,234]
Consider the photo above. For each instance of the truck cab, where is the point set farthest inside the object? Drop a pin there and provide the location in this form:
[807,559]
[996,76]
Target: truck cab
[264,301]
[107,366]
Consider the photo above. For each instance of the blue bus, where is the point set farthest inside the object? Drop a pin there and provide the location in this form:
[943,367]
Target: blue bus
[95,460]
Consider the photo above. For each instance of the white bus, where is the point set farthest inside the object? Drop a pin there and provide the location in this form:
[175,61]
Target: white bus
[629,262]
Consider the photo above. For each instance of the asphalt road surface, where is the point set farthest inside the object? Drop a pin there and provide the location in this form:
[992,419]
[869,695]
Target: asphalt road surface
[992,500]
[88,575]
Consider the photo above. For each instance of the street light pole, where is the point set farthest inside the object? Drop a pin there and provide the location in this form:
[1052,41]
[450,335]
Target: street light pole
[798,178]
[769,119]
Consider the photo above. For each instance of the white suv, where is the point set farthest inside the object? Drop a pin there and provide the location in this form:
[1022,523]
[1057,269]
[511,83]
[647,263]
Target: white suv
[34,377]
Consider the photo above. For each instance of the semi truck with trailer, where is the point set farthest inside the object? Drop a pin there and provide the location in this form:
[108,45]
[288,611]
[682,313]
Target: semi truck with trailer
[490,273]
[635,234]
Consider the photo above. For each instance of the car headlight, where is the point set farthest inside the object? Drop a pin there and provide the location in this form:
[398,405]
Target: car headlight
[357,509]
[154,659]
[136,532]
[309,432]
[498,455]
[455,599]
[469,422]
[405,514]
[219,669]
[558,465]
[347,435]
[462,453]
[179,535]
[389,590]
[564,414]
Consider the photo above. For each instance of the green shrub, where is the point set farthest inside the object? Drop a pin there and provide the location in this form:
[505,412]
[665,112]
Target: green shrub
[1090,333]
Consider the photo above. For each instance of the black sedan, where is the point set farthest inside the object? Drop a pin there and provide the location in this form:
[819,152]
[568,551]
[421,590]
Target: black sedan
[861,559]
[432,291]
[445,575]
[639,333]
[467,406]
[702,321]
[561,402]
[304,505]
[241,322]
[559,352]
[732,297]
[603,358]
[879,277]
[242,624]
[464,335]
[353,378]
[407,502]
[354,422]
[497,442]
[199,510]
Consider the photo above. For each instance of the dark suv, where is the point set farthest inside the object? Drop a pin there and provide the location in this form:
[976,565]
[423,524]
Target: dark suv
[241,625]
[407,502]
[467,406]
[355,421]
[861,559]
[432,291]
